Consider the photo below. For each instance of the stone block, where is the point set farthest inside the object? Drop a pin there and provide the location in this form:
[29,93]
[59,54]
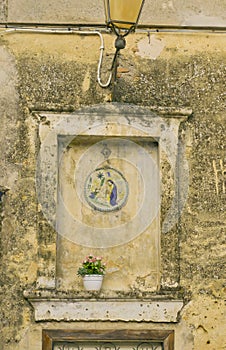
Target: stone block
[120,310]
[177,12]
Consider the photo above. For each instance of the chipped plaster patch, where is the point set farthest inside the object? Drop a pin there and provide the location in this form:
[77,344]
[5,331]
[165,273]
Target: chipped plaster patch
[168,5]
[150,47]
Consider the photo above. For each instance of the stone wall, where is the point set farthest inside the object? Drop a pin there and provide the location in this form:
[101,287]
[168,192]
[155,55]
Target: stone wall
[57,73]
[174,13]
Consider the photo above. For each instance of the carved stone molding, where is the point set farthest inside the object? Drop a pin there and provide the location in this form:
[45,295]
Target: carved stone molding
[48,307]
[73,310]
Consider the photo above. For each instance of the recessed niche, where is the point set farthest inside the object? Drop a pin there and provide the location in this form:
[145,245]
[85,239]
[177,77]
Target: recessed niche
[108,202]
[99,177]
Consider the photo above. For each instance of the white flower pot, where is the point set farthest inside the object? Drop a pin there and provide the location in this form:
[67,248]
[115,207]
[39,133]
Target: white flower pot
[92,282]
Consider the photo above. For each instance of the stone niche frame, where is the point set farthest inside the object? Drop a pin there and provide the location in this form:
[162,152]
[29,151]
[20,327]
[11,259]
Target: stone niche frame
[164,337]
[50,301]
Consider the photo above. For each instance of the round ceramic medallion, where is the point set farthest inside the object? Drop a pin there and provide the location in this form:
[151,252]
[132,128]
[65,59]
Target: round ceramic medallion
[106,189]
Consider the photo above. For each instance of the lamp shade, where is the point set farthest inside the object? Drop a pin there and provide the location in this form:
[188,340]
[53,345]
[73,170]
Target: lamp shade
[123,14]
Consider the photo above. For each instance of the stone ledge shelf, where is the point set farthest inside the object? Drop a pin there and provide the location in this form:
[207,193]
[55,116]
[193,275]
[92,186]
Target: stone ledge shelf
[77,309]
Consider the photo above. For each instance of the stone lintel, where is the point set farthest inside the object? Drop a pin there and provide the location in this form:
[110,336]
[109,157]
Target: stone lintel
[107,310]
[122,109]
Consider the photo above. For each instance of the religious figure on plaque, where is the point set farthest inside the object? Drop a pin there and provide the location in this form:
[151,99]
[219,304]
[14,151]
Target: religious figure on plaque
[106,189]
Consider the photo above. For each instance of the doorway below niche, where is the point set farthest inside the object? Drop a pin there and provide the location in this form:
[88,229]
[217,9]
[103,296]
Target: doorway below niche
[108,340]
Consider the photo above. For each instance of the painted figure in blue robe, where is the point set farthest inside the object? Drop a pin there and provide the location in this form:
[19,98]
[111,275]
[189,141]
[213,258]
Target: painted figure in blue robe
[112,192]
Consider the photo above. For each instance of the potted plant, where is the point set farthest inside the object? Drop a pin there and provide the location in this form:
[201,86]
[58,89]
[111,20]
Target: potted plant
[92,272]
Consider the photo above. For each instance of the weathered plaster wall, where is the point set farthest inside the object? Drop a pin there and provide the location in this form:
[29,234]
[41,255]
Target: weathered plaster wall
[58,73]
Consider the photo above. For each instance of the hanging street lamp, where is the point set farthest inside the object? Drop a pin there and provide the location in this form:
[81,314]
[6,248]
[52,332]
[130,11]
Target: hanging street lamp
[122,17]
[123,14]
